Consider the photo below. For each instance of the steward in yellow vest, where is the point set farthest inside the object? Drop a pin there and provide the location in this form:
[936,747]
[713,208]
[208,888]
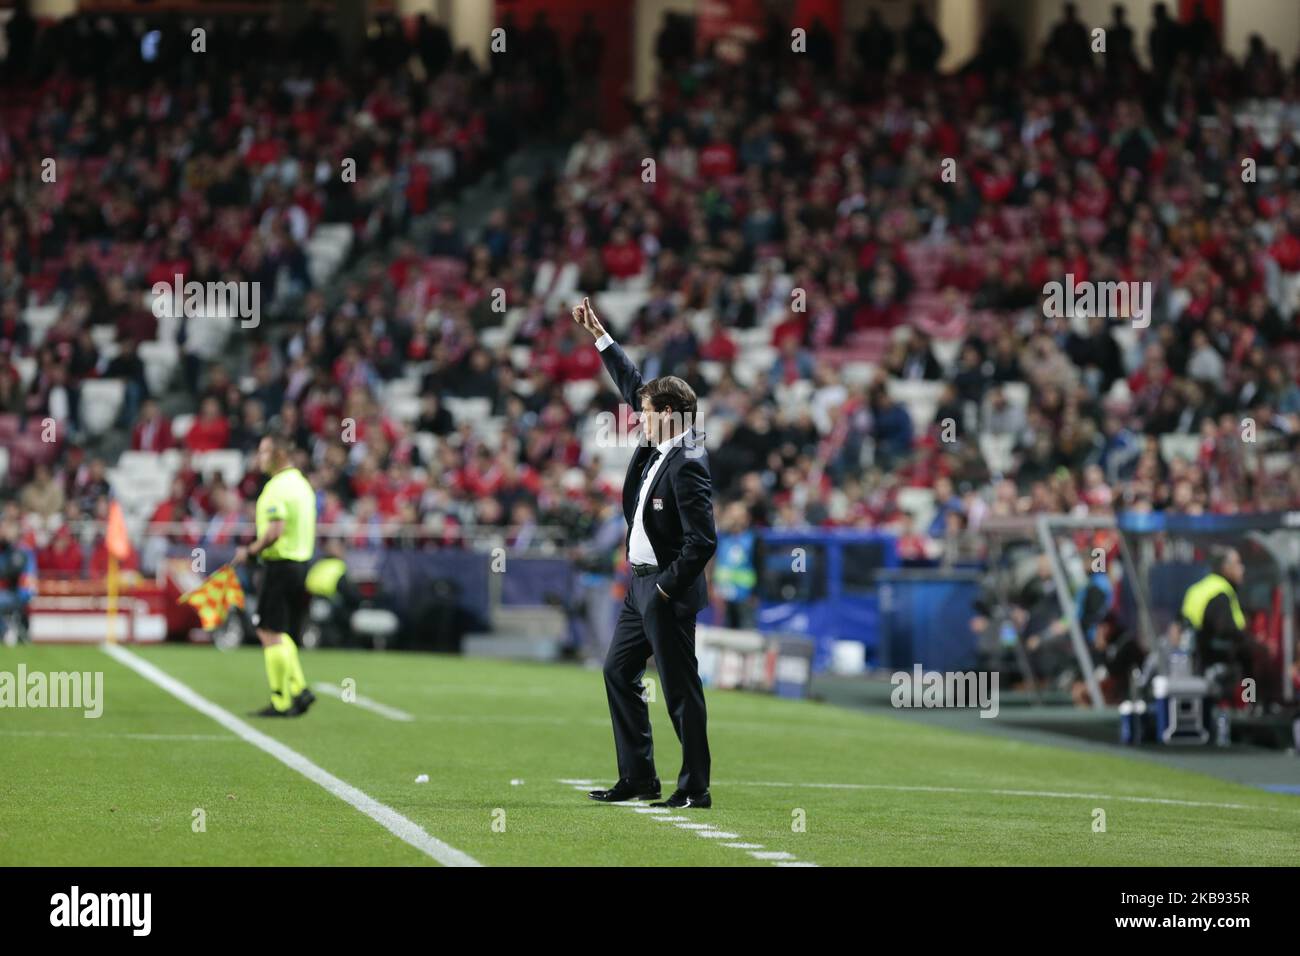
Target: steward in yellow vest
[1211,608]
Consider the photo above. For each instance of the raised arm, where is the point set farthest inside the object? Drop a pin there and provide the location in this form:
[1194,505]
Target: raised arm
[625,375]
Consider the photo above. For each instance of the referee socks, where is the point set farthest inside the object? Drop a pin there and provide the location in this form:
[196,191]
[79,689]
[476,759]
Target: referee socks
[297,681]
[277,675]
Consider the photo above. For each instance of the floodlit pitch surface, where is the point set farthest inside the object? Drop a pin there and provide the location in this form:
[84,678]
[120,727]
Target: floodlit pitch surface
[509,749]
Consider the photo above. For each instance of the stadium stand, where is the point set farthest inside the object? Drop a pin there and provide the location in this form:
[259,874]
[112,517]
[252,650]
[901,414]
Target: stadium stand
[841,309]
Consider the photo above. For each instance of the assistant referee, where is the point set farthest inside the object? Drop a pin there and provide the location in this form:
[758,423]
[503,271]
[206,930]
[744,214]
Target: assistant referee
[286,541]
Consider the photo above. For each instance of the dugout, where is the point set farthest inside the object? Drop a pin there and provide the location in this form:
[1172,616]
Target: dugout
[822,584]
[1169,552]
[1161,555]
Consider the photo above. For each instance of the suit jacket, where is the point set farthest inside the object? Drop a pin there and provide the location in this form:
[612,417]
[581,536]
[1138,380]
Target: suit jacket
[678,513]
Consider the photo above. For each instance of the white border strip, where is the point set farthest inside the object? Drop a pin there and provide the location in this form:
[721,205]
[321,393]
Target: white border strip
[1048,794]
[223,738]
[1043,794]
[405,830]
[365,703]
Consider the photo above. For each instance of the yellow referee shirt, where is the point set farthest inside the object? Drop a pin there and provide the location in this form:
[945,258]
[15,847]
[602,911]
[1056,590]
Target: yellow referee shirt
[288,497]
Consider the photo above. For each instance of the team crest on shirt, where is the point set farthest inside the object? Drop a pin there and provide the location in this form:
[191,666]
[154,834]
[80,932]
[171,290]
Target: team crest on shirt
[658,504]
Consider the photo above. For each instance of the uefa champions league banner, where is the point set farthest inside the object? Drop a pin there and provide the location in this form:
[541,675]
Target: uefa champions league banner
[1151,521]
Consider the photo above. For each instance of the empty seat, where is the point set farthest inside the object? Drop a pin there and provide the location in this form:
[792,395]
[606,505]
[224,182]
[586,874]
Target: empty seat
[139,491]
[858,374]
[228,461]
[427,443]
[181,425]
[795,396]
[618,308]
[918,502]
[101,400]
[103,335]
[160,360]
[39,318]
[520,356]
[1017,394]
[946,351]
[578,395]
[997,452]
[920,398]
[142,462]
[404,408]
[712,371]
[26,366]
[327,249]
[494,337]
[1186,447]
[401,388]
[468,409]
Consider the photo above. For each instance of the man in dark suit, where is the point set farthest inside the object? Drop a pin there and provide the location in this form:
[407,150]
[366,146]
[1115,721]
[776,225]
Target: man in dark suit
[668,504]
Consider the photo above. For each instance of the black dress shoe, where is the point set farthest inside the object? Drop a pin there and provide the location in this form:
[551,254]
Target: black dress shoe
[628,790]
[680,800]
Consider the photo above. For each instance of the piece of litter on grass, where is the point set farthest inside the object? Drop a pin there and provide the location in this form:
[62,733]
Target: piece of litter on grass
[422,778]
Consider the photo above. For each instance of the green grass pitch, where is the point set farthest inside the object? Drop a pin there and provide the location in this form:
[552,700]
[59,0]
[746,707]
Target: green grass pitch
[806,782]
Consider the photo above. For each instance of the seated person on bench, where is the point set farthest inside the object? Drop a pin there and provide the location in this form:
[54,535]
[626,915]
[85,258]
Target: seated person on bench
[1211,609]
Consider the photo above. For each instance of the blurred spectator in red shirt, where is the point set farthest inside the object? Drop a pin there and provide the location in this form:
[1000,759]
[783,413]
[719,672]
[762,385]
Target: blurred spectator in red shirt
[210,431]
[152,432]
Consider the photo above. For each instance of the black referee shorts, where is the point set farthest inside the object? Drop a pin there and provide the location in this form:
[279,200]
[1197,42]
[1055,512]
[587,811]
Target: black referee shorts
[282,600]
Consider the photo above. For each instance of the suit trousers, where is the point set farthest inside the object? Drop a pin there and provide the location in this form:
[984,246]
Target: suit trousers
[651,624]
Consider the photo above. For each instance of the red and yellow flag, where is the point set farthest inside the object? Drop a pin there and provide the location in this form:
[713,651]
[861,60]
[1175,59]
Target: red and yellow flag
[214,598]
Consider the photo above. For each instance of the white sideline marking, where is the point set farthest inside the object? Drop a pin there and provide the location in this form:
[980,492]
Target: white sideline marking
[1052,794]
[578,783]
[706,830]
[365,703]
[224,738]
[793,863]
[1047,794]
[405,830]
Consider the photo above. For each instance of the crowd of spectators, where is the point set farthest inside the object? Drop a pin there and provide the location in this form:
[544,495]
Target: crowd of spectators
[133,151]
[903,209]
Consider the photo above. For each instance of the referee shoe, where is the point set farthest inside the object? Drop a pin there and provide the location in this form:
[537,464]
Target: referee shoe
[301,703]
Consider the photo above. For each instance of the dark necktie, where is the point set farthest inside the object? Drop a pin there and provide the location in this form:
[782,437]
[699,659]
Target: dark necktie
[649,463]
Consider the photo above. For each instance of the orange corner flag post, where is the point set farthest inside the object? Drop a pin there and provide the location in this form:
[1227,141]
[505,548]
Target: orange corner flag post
[118,546]
[214,598]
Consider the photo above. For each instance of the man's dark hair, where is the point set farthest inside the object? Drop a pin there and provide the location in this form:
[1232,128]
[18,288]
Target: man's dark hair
[1219,557]
[670,393]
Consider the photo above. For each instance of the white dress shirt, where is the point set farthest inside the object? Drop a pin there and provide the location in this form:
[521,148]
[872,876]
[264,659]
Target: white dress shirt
[639,549]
